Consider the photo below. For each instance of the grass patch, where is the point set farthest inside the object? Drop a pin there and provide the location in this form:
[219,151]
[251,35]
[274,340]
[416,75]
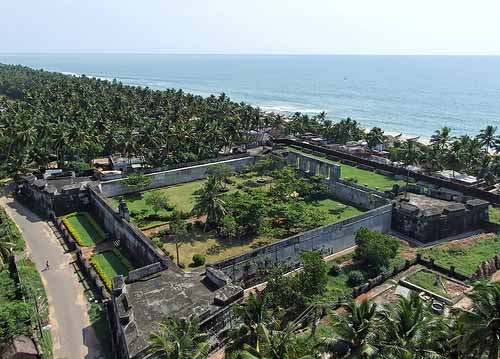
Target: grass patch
[84,229]
[181,195]
[32,285]
[9,229]
[208,243]
[464,256]
[338,286]
[216,249]
[495,214]
[109,264]
[429,281]
[212,247]
[336,211]
[363,177]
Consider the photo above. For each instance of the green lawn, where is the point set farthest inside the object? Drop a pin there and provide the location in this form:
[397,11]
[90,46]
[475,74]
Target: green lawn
[84,229]
[465,259]
[109,264]
[495,214]
[12,231]
[181,195]
[363,177]
[429,281]
[216,249]
[336,211]
[338,285]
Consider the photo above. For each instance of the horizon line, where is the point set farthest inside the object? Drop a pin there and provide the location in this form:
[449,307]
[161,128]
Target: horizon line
[84,52]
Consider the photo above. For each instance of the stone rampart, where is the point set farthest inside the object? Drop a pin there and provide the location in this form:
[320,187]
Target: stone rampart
[171,177]
[250,268]
[140,247]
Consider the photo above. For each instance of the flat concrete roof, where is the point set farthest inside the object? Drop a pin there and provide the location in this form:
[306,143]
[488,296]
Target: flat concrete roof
[428,206]
[169,294]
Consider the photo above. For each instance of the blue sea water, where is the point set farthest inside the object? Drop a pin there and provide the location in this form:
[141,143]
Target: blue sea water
[414,95]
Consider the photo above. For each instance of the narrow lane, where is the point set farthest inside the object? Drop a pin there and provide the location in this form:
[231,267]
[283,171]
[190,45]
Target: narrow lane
[72,335]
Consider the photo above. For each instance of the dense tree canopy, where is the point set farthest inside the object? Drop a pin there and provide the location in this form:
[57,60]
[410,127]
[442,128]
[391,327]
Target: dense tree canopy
[46,116]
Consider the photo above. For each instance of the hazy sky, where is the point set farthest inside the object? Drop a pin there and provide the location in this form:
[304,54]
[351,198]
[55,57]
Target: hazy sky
[252,26]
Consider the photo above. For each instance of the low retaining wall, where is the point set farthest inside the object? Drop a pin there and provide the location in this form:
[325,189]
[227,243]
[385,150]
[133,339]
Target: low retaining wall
[171,177]
[428,263]
[251,268]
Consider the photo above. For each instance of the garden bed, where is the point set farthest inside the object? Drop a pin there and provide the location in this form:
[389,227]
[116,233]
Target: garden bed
[84,229]
[432,282]
[109,264]
[464,254]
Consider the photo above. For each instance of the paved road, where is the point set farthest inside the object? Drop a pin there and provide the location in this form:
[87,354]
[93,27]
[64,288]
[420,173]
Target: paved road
[72,334]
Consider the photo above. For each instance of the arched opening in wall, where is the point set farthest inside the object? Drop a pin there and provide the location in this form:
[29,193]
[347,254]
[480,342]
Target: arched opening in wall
[308,166]
[327,172]
[297,162]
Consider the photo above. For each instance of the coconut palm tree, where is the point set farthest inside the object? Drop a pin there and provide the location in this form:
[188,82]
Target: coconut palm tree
[275,343]
[481,325]
[407,329]
[179,339]
[441,138]
[210,203]
[252,313]
[487,137]
[410,155]
[355,332]
[375,137]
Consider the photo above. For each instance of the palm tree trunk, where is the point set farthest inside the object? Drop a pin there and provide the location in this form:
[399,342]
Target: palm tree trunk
[177,252]
[407,181]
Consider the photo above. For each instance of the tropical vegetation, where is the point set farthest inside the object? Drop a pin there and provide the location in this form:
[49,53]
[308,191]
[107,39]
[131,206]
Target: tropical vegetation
[46,116]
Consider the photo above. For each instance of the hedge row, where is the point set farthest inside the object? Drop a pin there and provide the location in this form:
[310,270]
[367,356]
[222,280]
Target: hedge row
[76,234]
[102,273]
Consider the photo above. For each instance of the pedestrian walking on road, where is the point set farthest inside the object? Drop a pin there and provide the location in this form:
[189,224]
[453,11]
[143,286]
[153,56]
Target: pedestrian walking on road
[47,265]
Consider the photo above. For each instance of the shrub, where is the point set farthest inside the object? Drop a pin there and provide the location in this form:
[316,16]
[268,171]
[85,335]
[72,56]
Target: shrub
[375,249]
[181,265]
[77,166]
[229,227]
[456,251]
[137,180]
[356,277]
[199,260]
[158,242]
[189,226]
[335,270]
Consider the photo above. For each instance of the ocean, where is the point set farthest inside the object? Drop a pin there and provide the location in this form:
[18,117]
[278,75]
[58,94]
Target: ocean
[414,95]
